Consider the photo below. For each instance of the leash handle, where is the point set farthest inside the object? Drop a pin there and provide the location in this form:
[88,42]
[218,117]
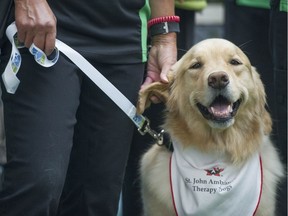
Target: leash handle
[9,77]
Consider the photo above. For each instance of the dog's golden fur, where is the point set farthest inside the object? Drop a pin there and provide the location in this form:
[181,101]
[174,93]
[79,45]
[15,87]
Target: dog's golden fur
[239,136]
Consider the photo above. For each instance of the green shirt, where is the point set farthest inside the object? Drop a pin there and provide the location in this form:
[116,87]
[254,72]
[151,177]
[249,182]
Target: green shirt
[283,6]
[194,5]
[254,3]
[263,4]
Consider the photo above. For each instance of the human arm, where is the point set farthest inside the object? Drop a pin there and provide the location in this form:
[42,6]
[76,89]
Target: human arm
[36,24]
[163,53]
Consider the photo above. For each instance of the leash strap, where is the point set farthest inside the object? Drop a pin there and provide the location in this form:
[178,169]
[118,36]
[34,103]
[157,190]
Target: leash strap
[11,81]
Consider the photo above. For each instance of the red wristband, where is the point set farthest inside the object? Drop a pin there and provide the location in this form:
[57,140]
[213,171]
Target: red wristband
[163,19]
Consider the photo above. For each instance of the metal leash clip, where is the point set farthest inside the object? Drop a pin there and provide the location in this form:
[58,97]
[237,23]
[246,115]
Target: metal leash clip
[145,128]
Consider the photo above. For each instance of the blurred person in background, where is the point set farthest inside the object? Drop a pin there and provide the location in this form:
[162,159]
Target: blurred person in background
[247,25]
[278,47]
[259,27]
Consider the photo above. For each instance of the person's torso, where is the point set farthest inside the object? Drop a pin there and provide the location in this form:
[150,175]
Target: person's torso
[109,31]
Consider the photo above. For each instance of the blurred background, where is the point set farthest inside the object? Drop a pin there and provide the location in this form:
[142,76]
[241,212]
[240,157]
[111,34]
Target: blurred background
[209,22]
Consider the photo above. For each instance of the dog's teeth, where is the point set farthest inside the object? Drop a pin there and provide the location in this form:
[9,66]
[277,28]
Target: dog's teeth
[212,110]
[230,109]
[220,113]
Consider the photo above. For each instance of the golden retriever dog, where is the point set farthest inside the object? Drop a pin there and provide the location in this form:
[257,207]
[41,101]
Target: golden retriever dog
[223,162]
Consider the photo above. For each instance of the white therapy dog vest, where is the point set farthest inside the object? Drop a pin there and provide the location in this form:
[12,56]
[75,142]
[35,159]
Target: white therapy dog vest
[205,185]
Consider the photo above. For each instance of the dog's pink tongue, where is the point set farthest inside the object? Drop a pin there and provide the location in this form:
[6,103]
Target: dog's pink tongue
[220,110]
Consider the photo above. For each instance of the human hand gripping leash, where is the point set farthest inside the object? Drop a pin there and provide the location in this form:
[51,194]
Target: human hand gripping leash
[11,81]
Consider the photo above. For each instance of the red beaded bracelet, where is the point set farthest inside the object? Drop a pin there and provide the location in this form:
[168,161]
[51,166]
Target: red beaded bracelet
[163,19]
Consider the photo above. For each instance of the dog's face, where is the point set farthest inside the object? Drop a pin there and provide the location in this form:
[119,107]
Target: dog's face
[214,96]
[217,78]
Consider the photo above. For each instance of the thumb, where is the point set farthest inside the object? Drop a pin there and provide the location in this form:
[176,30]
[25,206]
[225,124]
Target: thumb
[164,73]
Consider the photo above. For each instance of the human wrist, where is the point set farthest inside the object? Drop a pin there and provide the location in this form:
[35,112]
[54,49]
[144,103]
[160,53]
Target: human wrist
[162,19]
[162,39]
[163,25]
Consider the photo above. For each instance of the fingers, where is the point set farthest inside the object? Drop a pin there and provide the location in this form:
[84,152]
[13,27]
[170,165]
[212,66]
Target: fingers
[49,43]
[42,39]
[149,80]
[21,35]
[36,24]
[38,40]
[164,72]
[45,42]
[146,82]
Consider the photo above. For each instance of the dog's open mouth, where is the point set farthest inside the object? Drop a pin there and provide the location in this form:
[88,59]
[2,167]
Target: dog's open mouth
[220,110]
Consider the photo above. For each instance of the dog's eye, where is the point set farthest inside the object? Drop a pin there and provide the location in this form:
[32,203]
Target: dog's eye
[196,65]
[235,62]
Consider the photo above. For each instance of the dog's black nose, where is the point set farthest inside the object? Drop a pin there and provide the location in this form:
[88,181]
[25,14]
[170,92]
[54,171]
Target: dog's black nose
[218,80]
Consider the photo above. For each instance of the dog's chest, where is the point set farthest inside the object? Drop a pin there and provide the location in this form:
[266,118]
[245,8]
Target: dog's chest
[204,184]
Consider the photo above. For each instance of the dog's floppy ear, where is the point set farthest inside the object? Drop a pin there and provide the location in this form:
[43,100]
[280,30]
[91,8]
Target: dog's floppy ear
[265,115]
[267,123]
[157,89]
